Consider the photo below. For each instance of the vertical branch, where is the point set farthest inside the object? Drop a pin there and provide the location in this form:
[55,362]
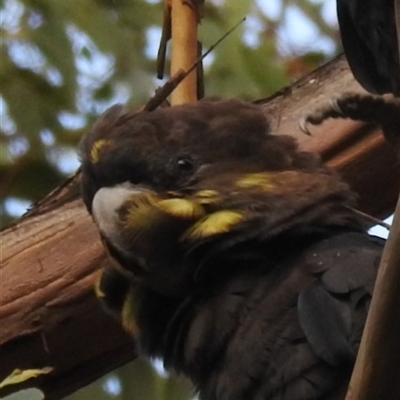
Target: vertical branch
[184,17]
[377,370]
[376,374]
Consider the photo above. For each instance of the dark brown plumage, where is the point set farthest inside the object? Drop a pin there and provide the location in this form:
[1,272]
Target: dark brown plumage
[368,31]
[236,257]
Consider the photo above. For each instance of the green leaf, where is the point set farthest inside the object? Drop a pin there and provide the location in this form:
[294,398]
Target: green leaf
[22,375]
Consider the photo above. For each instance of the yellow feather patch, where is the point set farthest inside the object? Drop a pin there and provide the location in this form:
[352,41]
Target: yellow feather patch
[97,290]
[213,224]
[181,208]
[259,179]
[95,150]
[128,313]
[207,196]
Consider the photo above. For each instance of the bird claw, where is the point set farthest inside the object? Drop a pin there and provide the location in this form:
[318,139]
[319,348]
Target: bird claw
[331,110]
[303,125]
[359,107]
[334,103]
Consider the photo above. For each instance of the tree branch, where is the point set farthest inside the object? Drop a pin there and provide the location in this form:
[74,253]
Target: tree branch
[376,371]
[184,17]
[49,316]
[376,374]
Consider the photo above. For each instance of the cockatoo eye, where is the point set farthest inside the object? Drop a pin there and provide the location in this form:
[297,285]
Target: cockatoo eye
[185,163]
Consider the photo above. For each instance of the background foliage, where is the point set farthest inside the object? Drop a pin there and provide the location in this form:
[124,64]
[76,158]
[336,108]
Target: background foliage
[63,62]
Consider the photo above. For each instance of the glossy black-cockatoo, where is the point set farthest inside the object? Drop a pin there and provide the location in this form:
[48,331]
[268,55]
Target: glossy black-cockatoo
[236,257]
[371,45]
[370,42]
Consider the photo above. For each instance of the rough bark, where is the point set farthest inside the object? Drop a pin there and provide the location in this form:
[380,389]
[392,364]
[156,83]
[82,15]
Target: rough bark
[49,316]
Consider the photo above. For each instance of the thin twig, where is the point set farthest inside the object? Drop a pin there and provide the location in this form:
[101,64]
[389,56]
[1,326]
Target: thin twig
[164,91]
[165,37]
[370,218]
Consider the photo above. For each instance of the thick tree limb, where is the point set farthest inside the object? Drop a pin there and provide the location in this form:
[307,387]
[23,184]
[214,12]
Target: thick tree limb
[49,316]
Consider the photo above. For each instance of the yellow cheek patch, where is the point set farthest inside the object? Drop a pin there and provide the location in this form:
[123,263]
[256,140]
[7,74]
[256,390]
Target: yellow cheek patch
[145,216]
[147,210]
[257,179]
[213,224]
[97,146]
[128,314]
[181,208]
[141,210]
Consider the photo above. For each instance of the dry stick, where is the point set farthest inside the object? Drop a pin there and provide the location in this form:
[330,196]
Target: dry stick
[370,218]
[165,37]
[164,91]
[376,375]
[184,16]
